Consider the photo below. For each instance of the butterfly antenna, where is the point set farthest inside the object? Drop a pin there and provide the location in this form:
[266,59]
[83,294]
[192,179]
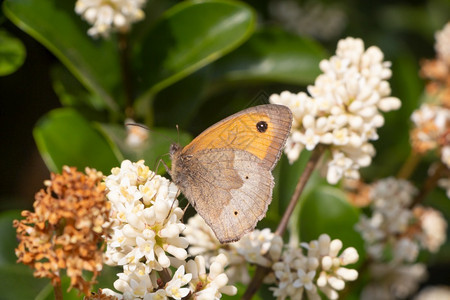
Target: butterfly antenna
[184,210]
[137,125]
[154,132]
[171,207]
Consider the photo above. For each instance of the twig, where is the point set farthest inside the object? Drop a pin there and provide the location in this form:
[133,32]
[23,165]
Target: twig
[309,168]
[430,184]
[261,271]
[57,289]
[409,165]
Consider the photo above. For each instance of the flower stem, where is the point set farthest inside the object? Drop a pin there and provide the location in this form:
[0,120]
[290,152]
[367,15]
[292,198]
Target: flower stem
[261,271]
[164,275]
[124,51]
[431,183]
[409,165]
[57,289]
[310,166]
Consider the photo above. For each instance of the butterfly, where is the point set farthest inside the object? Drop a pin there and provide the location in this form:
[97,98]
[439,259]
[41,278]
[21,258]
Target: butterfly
[226,171]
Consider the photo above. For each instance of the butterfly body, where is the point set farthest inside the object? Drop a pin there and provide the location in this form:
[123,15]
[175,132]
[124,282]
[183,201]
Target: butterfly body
[225,172]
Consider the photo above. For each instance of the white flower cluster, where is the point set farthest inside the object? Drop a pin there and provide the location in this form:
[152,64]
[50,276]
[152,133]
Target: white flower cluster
[145,240]
[251,248]
[315,19]
[442,45]
[433,228]
[109,15]
[434,293]
[343,110]
[394,234]
[391,216]
[391,282]
[322,267]
[293,272]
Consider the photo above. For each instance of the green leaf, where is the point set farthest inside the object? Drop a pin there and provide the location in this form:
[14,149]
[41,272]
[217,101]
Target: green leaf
[13,275]
[179,104]
[12,53]
[272,55]
[326,210]
[21,283]
[8,234]
[56,25]
[64,137]
[394,144]
[189,36]
[152,150]
[71,92]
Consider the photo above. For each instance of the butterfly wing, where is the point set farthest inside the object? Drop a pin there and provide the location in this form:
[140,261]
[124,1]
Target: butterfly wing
[230,189]
[240,132]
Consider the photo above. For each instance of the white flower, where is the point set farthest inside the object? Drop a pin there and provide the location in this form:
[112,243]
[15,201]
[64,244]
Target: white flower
[445,184]
[132,284]
[370,228]
[110,15]
[344,109]
[322,267]
[209,286]
[442,46]
[392,281]
[173,287]
[201,238]
[251,248]
[137,134]
[309,18]
[406,250]
[256,244]
[391,217]
[434,293]
[434,228]
[445,155]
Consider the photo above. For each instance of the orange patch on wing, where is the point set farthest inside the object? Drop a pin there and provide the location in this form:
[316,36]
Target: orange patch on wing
[238,133]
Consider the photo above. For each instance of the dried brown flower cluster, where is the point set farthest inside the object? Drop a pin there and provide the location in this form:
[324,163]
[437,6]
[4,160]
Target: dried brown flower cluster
[65,230]
[432,120]
[437,71]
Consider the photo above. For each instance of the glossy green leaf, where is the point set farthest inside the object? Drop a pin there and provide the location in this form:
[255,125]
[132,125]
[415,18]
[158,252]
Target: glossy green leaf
[189,36]
[13,275]
[156,147]
[21,283]
[326,210]
[12,53]
[8,234]
[393,145]
[179,104]
[64,137]
[56,25]
[272,55]
[71,92]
